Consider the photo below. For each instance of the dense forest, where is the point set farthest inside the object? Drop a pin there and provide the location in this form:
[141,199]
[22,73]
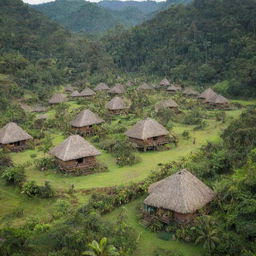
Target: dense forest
[203,43]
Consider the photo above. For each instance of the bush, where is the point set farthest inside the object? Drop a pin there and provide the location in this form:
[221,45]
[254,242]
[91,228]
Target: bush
[14,175]
[31,189]
[5,160]
[46,163]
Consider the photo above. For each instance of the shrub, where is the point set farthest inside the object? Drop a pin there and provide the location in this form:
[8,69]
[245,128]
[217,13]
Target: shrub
[46,163]
[31,189]
[14,175]
[5,160]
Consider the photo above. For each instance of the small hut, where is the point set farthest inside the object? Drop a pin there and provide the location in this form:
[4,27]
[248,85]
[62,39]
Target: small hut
[75,153]
[207,94]
[178,196]
[173,89]
[145,87]
[87,92]
[101,87]
[171,104]
[217,101]
[117,89]
[190,92]
[117,105]
[75,94]
[39,109]
[148,134]
[58,98]
[86,122]
[69,88]
[13,137]
[164,83]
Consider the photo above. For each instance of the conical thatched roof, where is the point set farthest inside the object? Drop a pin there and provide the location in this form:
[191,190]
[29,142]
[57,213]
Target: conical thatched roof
[208,93]
[74,147]
[145,86]
[190,92]
[26,107]
[166,104]
[117,89]
[217,99]
[11,133]
[86,118]
[58,98]
[116,103]
[181,192]
[39,108]
[75,94]
[101,87]
[164,82]
[69,88]
[173,88]
[87,92]
[145,129]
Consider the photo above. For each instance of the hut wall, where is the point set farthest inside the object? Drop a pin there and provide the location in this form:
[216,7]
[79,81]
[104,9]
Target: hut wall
[90,130]
[150,142]
[15,147]
[117,111]
[73,165]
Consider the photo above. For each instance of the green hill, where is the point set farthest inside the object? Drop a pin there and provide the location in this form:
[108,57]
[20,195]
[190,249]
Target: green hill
[204,43]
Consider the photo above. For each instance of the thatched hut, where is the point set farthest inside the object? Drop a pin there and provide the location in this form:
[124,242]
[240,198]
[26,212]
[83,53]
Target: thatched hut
[58,98]
[190,92]
[148,134]
[164,83]
[69,88]
[87,92]
[86,122]
[145,87]
[75,94]
[117,105]
[171,104]
[75,153]
[173,89]
[117,89]
[13,137]
[218,101]
[179,196]
[39,109]
[101,87]
[208,93]
[26,108]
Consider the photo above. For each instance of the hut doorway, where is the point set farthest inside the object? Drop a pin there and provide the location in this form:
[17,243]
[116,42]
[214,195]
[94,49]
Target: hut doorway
[80,160]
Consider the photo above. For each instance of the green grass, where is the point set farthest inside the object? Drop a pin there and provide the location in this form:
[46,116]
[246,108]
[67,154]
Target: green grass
[148,241]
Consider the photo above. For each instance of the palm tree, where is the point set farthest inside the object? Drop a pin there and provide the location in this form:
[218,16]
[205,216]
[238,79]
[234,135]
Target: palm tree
[101,249]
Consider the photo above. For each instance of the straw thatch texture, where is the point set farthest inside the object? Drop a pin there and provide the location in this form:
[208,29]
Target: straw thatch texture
[117,89]
[101,87]
[145,86]
[58,98]
[69,88]
[11,133]
[75,94]
[39,108]
[116,103]
[217,100]
[145,129]
[209,93]
[173,88]
[190,92]
[166,104]
[164,82]
[86,118]
[87,92]
[181,192]
[74,147]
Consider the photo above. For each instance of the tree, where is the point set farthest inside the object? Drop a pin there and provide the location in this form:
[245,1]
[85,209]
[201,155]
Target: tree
[101,249]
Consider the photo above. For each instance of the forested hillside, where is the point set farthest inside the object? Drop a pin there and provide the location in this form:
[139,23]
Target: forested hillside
[81,16]
[204,43]
[39,53]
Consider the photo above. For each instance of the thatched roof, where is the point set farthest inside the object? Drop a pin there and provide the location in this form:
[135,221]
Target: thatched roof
[101,87]
[69,88]
[116,103]
[117,89]
[86,118]
[58,98]
[166,104]
[87,92]
[39,108]
[145,86]
[190,92]
[75,94]
[181,192]
[208,93]
[164,82]
[26,107]
[173,88]
[145,129]
[11,133]
[74,147]
[217,99]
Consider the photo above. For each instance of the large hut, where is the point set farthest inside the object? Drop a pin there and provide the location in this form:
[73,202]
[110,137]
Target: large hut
[101,87]
[178,197]
[145,87]
[86,122]
[173,89]
[58,98]
[218,101]
[208,93]
[164,83]
[148,134]
[87,93]
[117,105]
[190,92]
[13,137]
[171,104]
[75,153]
[117,89]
